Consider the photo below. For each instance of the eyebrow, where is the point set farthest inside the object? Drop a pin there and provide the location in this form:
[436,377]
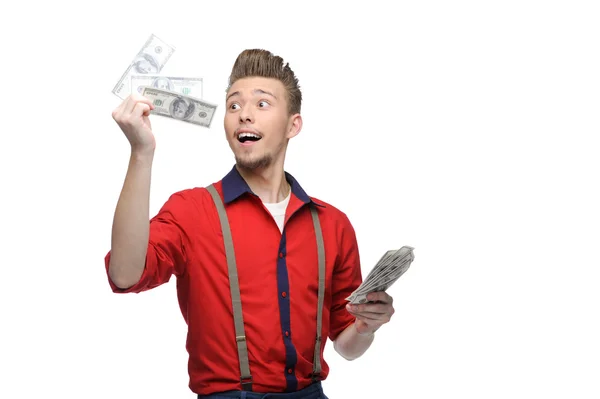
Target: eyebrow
[255,91]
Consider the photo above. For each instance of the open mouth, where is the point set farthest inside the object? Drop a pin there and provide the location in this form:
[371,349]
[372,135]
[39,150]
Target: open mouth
[248,137]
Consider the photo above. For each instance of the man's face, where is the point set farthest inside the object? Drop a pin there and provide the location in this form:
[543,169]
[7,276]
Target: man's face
[259,106]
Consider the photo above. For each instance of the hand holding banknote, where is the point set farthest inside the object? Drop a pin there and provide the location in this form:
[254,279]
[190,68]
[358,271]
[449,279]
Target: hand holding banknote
[175,97]
[372,315]
[133,117]
[369,303]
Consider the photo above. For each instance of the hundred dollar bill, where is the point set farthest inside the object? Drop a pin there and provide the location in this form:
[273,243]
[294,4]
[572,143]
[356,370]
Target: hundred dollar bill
[383,285]
[188,86]
[150,60]
[179,106]
[392,265]
[387,265]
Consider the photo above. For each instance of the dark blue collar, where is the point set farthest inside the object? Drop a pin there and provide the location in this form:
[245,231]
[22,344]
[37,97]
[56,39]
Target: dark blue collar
[234,186]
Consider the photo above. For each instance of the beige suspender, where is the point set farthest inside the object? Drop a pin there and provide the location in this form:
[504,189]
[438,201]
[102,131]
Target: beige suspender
[238,319]
[321,295]
[240,335]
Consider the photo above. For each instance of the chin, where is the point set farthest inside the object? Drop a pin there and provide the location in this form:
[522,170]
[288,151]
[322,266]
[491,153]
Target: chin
[251,163]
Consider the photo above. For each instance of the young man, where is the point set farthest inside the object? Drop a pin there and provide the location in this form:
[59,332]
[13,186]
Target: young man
[262,268]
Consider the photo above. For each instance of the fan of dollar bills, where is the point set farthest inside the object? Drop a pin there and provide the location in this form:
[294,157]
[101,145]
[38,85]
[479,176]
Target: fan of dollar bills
[390,267]
[173,96]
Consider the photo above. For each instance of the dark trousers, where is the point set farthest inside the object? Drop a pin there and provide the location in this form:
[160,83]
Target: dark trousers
[313,391]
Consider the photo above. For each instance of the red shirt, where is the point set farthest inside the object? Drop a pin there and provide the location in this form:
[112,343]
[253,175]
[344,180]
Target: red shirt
[186,241]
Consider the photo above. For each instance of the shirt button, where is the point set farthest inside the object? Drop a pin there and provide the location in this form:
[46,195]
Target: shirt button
[281,254]
[287,333]
[283,294]
[289,371]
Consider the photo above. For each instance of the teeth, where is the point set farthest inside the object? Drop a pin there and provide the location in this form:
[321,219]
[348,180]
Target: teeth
[242,135]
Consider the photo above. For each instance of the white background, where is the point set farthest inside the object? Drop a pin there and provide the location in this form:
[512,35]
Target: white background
[466,129]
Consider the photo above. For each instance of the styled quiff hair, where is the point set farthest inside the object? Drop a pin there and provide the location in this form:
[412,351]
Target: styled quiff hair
[263,63]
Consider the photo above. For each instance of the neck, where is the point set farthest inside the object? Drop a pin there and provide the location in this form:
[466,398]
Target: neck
[268,183]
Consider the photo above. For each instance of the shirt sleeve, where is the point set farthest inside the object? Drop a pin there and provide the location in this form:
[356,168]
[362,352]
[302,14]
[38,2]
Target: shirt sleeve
[166,254]
[347,277]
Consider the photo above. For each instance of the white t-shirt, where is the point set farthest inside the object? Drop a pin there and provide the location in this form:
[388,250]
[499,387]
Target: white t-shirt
[278,210]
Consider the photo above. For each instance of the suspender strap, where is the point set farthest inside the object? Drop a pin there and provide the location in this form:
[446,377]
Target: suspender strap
[246,377]
[240,335]
[321,294]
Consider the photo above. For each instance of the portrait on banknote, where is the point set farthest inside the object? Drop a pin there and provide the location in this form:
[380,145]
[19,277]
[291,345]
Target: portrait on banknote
[181,108]
[163,83]
[146,63]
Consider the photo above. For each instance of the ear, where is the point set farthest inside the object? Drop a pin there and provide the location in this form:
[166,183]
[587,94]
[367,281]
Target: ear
[294,126]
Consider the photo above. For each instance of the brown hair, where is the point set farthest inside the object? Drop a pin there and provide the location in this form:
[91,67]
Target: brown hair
[263,63]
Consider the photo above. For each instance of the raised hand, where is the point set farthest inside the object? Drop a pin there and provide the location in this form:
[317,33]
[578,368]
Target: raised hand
[133,117]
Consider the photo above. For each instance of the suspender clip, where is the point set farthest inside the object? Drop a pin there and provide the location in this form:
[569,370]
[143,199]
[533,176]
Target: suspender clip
[246,383]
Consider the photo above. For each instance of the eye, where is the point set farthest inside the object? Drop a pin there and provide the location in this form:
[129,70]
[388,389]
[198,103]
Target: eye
[263,104]
[234,105]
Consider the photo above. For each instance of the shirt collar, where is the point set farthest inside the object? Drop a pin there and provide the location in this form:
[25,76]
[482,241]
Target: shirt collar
[235,186]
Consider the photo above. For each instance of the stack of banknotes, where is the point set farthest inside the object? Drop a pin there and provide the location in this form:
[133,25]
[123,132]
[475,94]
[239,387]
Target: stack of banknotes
[390,267]
[173,96]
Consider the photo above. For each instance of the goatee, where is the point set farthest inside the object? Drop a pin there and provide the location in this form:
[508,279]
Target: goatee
[253,164]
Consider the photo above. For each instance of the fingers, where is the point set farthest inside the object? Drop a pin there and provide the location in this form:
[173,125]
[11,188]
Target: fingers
[369,313]
[368,320]
[376,312]
[372,316]
[141,109]
[117,112]
[130,106]
[135,99]
[370,307]
[380,296]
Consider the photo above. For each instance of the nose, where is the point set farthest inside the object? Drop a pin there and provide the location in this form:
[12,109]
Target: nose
[246,115]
